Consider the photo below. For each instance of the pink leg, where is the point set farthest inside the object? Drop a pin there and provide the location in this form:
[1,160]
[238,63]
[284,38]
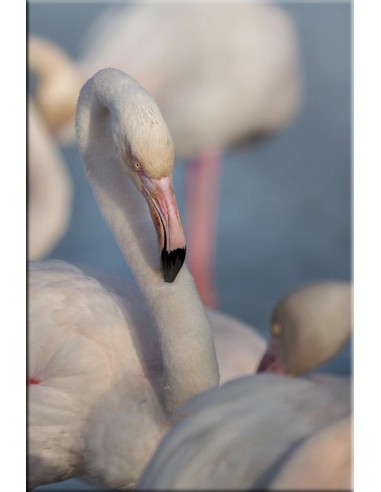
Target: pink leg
[201,209]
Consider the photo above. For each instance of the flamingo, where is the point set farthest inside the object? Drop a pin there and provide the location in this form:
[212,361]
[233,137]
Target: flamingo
[57,87]
[221,74]
[49,189]
[76,342]
[108,363]
[253,433]
[309,326]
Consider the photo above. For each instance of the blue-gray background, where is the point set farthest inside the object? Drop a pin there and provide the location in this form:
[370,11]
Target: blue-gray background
[285,209]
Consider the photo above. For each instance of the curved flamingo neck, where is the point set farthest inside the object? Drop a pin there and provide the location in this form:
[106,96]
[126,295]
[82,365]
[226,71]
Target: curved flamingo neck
[186,343]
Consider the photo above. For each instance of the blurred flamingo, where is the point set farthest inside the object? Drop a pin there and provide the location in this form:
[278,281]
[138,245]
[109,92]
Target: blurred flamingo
[49,188]
[308,327]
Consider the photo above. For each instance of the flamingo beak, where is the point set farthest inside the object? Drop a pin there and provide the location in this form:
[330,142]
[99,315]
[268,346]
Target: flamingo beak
[162,204]
[271,361]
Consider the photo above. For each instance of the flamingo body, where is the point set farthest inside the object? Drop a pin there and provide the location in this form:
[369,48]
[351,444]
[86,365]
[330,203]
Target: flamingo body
[92,346]
[239,347]
[239,436]
[323,460]
[83,344]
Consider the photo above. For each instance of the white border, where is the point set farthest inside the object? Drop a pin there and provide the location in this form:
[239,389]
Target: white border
[367,242]
[13,245]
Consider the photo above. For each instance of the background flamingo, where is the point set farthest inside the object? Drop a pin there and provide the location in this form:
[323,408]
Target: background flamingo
[49,188]
[308,327]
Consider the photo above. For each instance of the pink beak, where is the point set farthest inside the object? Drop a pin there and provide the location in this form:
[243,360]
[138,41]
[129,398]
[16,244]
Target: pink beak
[162,204]
[271,361]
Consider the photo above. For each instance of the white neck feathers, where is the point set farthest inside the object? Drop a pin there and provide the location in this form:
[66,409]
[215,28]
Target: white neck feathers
[189,359]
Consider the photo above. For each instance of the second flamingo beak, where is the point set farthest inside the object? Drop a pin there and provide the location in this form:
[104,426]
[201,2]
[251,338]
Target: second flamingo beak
[161,200]
[271,361]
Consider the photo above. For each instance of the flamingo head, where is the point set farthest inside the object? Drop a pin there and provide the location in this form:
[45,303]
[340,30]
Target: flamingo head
[272,359]
[148,154]
[308,327]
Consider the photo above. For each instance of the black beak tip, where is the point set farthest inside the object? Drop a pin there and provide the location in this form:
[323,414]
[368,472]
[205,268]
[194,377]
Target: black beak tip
[172,262]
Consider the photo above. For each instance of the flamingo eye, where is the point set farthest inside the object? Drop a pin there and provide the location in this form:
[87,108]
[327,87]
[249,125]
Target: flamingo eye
[137,165]
[276,329]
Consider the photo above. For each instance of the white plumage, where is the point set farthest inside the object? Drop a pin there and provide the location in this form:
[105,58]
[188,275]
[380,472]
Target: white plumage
[84,337]
[242,435]
[82,347]
[322,461]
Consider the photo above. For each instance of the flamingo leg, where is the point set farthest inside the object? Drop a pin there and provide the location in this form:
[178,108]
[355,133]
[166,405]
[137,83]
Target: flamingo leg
[203,176]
